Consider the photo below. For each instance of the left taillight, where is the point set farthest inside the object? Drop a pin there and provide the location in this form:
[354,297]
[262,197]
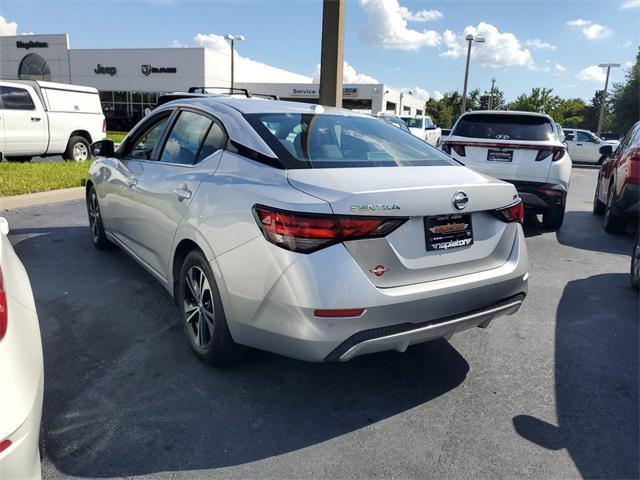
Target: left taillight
[4,315]
[512,213]
[556,152]
[308,232]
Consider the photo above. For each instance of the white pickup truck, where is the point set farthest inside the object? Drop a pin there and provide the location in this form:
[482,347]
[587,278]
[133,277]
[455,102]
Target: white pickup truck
[424,128]
[43,119]
[584,146]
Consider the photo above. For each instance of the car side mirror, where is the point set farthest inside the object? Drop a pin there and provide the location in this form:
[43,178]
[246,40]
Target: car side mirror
[606,150]
[102,148]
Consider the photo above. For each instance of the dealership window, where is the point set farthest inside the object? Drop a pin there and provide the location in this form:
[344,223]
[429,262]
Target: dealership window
[356,104]
[34,67]
[391,107]
[124,109]
[418,112]
[406,109]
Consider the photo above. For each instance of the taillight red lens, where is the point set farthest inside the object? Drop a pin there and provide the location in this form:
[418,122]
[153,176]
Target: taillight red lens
[459,149]
[4,444]
[4,316]
[556,152]
[513,213]
[305,232]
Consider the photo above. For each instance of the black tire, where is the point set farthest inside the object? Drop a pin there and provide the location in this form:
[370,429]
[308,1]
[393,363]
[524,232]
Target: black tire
[635,263]
[614,219]
[96,228]
[18,159]
[78,149]
[202,313]
[554,216]
[598,206]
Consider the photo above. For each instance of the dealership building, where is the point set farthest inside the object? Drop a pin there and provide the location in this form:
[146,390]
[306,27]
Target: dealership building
[131,79]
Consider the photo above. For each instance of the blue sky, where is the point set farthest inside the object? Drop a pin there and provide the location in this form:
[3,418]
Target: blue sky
[530,43]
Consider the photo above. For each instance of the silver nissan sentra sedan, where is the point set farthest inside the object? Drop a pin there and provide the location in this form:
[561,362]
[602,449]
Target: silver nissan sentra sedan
[316,233]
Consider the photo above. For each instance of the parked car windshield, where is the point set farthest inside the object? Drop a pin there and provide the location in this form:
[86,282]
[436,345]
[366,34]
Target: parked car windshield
[505,127]
[413,122]
[304,140]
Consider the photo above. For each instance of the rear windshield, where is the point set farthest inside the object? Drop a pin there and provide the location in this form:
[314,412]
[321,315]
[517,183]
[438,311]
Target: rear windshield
[413,122]
[505,127]
[304,140]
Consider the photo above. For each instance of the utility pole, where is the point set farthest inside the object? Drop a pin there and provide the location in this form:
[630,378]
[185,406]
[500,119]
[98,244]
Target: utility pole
[493,89]
[332,53]
[470,39]
[233,38]
[604,94]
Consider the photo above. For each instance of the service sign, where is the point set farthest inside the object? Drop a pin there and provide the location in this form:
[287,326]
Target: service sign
[349,92]
[305,92]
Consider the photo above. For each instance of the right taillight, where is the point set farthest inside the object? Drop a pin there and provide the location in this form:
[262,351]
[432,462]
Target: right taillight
[308,232]
[4,317]
[556,152]
[512,213]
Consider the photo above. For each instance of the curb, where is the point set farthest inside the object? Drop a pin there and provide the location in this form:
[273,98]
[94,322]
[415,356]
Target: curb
[53,196]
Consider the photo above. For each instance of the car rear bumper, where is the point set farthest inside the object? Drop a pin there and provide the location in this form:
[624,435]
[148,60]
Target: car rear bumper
[538,197]
[400,337]
[284,320]
[22,458]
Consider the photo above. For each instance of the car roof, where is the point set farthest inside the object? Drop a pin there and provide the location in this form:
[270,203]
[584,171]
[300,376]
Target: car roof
[505,112]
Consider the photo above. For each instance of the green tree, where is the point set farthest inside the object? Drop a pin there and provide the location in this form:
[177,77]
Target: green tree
[539,100]
[625,101]
[570,112]
[499,101]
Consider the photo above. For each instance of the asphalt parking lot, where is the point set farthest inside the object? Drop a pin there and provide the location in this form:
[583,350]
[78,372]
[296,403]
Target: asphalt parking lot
[551,392]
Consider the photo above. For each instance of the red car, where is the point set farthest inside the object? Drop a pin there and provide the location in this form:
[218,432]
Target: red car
[618,188]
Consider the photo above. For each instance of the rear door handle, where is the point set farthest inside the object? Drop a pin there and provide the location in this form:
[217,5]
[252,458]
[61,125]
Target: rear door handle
[579,144]
[182,194]
[35,119]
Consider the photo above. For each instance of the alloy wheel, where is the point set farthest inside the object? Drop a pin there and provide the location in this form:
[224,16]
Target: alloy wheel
[94,215]
[199,310]
[80,152]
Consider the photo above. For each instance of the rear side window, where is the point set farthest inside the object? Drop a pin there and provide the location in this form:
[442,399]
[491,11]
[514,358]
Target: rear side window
[186,136]
[12,98]
[505,127]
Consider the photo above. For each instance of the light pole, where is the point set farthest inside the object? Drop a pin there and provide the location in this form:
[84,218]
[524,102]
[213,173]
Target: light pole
[332,52]
[233,39]
[604,93]
[470,39]
[493,89]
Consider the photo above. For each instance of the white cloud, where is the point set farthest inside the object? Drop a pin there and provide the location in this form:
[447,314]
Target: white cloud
[630,4]
[590,30]
[437,95]
[559,68]
[349,75]
[596,31]
[177,44]
[387,26]
[247,70]
[500,49]
[592,73]
[578,23]
[421,15]
[628,64]
[417,92]
[7,28]
[539,44]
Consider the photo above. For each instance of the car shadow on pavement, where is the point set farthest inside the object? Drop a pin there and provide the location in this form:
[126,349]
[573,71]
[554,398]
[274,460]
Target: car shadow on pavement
[124,395]
[596,379]
[572,234]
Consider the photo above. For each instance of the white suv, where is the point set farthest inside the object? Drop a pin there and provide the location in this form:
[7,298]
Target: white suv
[521,148]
